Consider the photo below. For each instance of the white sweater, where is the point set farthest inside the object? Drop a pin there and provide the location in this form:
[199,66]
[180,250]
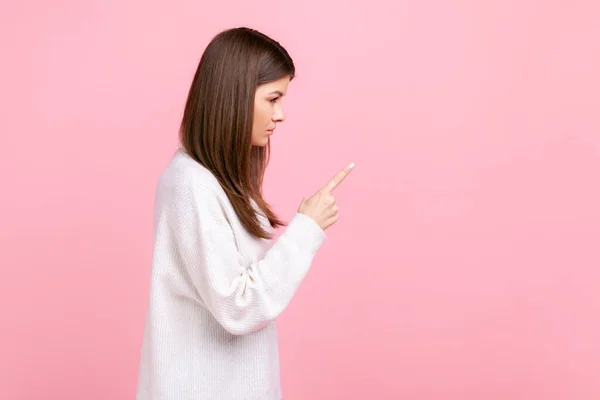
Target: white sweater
[215,292]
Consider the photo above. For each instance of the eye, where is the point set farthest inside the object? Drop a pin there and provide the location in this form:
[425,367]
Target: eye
[274,100]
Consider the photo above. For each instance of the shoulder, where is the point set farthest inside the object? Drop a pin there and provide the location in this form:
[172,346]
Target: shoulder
[184,180]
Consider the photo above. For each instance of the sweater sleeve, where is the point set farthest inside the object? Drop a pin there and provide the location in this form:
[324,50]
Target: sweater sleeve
[243,295]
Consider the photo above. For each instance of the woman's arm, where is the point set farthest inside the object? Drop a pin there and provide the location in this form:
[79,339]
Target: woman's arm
[242,295]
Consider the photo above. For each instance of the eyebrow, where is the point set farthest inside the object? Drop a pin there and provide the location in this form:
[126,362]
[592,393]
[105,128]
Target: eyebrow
[277,92]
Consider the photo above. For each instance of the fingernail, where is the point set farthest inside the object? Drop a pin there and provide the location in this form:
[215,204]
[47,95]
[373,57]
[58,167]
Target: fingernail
[351,165]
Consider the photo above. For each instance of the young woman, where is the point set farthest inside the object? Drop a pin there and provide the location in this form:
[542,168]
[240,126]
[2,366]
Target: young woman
[219,280]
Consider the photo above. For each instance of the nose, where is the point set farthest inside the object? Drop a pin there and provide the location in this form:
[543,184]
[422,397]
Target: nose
[279,116]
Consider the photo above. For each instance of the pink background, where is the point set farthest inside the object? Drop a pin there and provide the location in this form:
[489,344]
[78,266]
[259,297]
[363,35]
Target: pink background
[465,263]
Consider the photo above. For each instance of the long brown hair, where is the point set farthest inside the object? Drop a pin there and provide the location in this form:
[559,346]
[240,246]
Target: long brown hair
[216,129]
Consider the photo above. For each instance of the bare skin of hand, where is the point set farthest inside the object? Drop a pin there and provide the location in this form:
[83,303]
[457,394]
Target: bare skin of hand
[321,206]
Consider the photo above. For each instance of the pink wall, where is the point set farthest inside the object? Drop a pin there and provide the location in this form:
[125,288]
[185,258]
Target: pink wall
[466,261]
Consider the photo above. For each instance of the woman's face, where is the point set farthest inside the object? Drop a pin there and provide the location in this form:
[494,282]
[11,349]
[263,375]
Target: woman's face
[268,110]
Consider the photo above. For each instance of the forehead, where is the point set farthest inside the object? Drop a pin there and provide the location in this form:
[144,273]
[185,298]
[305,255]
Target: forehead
[279,85]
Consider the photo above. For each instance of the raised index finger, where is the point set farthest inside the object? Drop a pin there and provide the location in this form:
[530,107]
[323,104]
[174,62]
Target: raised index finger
[338,178]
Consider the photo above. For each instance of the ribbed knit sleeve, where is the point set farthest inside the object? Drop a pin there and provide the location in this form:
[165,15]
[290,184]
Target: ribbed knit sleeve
[243,295]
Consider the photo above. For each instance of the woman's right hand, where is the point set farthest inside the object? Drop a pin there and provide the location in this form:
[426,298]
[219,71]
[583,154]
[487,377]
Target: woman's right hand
[321,206]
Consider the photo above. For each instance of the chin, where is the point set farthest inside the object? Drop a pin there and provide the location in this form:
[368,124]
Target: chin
[262,143]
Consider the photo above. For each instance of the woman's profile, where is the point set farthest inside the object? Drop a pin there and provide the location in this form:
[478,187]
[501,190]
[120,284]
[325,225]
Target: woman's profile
[219,279]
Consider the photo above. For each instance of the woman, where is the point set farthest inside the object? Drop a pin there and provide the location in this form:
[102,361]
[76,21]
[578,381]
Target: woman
[219,280]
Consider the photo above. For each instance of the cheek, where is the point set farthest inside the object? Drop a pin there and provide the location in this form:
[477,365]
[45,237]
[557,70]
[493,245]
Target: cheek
[263,115]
